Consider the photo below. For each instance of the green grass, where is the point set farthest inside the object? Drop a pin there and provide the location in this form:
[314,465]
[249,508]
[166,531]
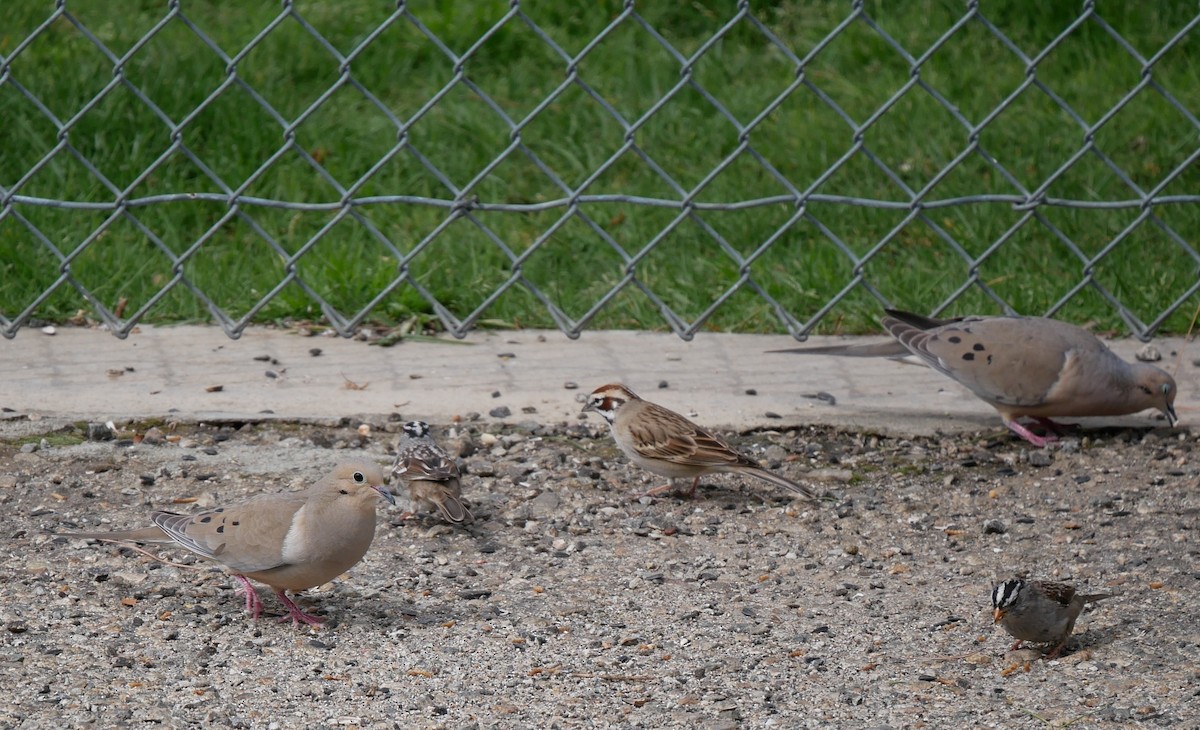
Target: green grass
[801,139]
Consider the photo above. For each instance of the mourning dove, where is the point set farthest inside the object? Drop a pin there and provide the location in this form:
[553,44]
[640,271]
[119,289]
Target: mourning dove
[289,541]
[432,477]
[663,442]
[1024,366]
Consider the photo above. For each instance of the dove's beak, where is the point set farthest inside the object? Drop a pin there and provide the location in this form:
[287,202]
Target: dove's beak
[383,492]
[998,614]
[1171,417]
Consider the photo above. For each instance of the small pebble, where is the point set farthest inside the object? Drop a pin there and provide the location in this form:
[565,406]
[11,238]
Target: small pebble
[994,527]
[751,391]
[570,385]
[99,432]
[49,330]
[662,384]
[1148,353]
[501,412]
[1039,458]
[314,351]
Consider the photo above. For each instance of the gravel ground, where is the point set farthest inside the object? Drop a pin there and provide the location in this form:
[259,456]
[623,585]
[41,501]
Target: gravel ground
[569,604]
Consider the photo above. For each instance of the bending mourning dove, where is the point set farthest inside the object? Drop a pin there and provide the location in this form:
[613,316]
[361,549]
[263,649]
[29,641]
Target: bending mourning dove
[432,477]
[1024,366]
[661,441]
[289,541]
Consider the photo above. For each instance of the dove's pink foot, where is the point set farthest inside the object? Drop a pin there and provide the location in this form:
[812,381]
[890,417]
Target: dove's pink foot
[1016,645]
[295,614]
[1038,441]
[253,605]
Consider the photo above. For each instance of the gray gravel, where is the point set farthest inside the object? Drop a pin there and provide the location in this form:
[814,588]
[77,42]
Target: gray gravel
[569,604]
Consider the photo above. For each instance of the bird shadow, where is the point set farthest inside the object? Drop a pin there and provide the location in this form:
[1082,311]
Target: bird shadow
[1068,431]
[727,496]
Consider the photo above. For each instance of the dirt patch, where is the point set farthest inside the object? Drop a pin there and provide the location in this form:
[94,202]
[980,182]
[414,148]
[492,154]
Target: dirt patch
[569,604]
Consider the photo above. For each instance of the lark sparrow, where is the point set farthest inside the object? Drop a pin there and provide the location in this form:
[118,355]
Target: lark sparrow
[665,443]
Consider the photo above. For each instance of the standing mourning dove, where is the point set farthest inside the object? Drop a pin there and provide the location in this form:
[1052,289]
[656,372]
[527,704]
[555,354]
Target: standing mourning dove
[432,477]
[1024,366]
[289,541]
[663,442]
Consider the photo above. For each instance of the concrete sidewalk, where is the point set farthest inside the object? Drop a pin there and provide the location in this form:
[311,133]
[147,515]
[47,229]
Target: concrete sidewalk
[722,380]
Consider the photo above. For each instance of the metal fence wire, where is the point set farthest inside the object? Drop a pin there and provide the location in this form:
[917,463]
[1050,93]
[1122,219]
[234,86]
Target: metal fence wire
[576,204]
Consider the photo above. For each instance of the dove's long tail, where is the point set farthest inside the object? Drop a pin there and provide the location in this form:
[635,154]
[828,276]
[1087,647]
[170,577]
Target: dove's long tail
[891,348]
[145,534]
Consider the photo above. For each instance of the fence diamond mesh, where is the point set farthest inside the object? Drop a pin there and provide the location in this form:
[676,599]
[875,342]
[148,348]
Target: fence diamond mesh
[356,198]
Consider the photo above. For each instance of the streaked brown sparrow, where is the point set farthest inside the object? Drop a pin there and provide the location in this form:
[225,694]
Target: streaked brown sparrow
[432,477]
[661,441]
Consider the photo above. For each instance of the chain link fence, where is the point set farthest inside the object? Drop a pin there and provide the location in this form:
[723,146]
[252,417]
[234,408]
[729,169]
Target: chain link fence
[575,206]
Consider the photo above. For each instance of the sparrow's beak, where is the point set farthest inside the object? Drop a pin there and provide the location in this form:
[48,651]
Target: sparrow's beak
[588,407]
[998,614]
[1171,417]
[383,492]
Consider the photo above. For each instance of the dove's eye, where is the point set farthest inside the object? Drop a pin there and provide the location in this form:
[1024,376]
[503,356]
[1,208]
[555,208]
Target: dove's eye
[358,477]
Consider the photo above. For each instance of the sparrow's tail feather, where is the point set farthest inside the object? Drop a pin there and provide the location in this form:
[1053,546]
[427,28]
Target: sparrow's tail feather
[454,510]
[784,482]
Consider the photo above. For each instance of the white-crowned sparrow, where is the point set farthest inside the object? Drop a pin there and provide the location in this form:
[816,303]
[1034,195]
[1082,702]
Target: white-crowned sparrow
[432,477]
[665,443]
[1038,611]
